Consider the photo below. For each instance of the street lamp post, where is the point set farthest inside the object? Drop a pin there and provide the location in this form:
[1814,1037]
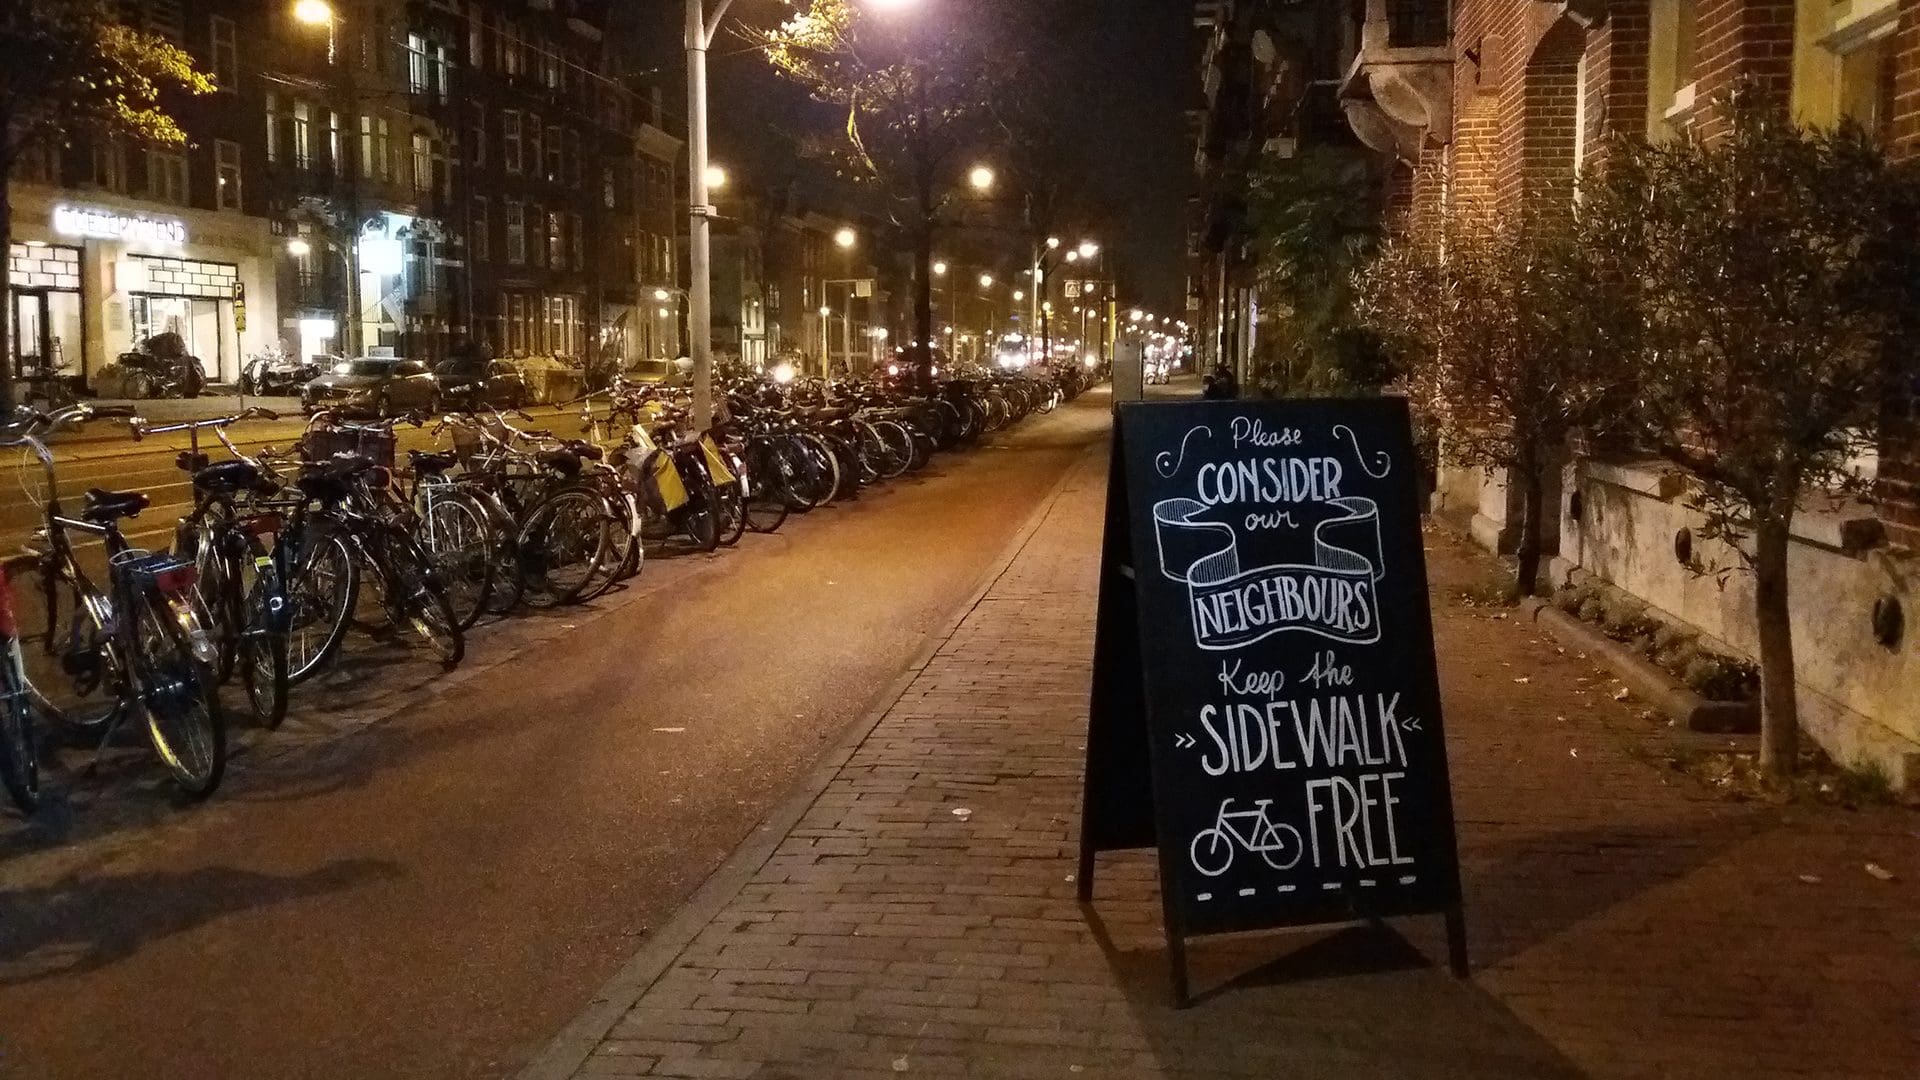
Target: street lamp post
[701,28]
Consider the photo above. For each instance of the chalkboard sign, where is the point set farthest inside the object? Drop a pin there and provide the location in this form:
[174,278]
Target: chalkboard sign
[1265,707]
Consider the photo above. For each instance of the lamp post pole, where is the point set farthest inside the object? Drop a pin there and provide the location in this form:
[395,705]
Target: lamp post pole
[701,28]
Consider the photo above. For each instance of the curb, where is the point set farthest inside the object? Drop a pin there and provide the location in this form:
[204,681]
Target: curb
[569,1050]
[1666,693]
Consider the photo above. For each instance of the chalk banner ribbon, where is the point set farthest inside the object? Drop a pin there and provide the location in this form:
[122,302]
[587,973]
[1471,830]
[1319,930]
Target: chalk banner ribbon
[1334,597]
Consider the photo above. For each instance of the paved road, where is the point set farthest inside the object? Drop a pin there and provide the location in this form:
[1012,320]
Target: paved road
[430,880]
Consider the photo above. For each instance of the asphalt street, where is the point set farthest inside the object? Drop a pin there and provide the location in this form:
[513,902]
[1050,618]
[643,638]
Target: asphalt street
[426,875]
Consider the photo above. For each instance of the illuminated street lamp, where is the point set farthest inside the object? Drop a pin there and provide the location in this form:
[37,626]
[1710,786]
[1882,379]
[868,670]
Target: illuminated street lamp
[716,177]
[1053,243]
[661,294]
[846,238]
[1088,249]
[1019,295]
[299,248]
[313,13]
[986,281]
[939,269]
[981,177]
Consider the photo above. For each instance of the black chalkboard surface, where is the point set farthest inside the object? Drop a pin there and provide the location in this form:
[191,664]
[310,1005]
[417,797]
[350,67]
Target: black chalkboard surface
[1265,708]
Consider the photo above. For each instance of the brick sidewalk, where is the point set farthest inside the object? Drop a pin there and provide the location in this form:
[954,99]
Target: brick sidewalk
[920,917]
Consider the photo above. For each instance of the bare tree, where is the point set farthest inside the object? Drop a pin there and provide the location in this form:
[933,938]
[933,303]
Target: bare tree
[1765,276]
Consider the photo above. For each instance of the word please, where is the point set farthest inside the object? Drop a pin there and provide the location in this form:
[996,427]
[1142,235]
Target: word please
[1268,480]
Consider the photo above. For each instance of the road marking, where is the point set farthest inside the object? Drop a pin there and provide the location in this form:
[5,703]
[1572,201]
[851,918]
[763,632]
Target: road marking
[1408,879]
[1246,892]
[1329,884]
[1284,888]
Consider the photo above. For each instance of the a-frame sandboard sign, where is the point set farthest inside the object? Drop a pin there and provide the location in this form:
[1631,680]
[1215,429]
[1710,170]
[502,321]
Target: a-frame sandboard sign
[1265,708]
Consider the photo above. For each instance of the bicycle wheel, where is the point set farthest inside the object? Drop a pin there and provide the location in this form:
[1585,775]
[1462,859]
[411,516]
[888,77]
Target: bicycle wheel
[733,514]
[19,751]
[324,590]
[561,544]
[623,542]
[417,599]
[264,670]
[184,721]
[458,544]
[899,447]
[800,472]
[768,497]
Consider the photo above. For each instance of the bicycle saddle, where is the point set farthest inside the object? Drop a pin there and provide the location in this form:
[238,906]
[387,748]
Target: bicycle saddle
[583,449]
[228,477]
[101,506]
[426,463]
[564,462]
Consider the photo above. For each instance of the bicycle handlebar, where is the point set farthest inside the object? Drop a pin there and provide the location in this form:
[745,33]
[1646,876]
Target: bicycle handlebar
[141,429]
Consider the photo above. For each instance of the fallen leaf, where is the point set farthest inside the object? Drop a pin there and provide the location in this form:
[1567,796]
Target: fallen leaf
[1562,719]
[1524,679]
[1810,879]
[899,1063]
[669,730]
[1879,872]
[1573,753]
[962,813]
[1622,694]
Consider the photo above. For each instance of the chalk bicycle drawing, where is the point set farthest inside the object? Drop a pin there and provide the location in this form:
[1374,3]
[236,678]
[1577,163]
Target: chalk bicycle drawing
[1276,842]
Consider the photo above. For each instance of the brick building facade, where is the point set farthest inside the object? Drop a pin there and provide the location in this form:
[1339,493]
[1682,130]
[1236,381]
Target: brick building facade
[1518,100]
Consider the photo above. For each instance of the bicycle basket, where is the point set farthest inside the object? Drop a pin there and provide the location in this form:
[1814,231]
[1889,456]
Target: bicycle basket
[373,444]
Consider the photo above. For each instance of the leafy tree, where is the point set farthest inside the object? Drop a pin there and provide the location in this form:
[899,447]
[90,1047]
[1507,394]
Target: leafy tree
[1501,354]
[1316,218]
[72,69]
[916,88]
[1768,277]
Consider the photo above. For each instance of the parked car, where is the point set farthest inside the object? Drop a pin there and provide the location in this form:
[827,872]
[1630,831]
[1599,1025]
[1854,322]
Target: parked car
[372,386]
[470,384]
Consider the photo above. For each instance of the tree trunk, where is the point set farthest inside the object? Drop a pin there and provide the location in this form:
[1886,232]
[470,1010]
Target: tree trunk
[923,302]
[1779,712]
[1533,509]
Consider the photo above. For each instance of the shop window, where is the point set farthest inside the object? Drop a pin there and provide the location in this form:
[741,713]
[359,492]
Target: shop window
[223,54]
[226,183]
[510,140]
[478,229]
[110,166]
[167,175]
[516,232]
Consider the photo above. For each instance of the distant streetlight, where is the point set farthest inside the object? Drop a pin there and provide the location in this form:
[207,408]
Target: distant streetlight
[1088,249]
[1136,315]
[1073,256]
[986,281]
[939,269]
[1019,295]
[825,310]
[313,13]
[981,177]
[716,177]
[846,238]
[661,294]
[1053,242]
[299,248]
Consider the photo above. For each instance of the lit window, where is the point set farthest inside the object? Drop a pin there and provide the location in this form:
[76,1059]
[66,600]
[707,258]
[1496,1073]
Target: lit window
[226,190]
[510,140]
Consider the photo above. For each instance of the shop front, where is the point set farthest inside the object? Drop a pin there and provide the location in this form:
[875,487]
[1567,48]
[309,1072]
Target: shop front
[92,276]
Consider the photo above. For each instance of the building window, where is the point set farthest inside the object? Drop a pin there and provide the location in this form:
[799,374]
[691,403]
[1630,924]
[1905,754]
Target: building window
[302,135]
[536,235]
[477,134]
[419,65]
[578,237]
[510,49]
[274,118]
[167,175]
[556,240]
[1672,32]
[608,192]
[573,158]
[422,163]
[556,155]
[336,153]
[223,54]
[535,160]
[226,182]
[510,140]
[476,38]
[110,166]
[376,154]
[479,228]
[516,232]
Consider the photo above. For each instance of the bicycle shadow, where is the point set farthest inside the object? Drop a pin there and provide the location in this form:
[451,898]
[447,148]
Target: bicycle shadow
[85,922]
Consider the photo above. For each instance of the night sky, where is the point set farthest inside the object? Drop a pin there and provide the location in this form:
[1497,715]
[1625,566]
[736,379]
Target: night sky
[1127,73]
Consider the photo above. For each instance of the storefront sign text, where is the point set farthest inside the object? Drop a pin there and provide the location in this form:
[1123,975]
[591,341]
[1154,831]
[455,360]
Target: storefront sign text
[107,225]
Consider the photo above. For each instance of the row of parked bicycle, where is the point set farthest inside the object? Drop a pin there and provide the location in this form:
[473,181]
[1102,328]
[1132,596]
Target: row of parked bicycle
[267,569]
